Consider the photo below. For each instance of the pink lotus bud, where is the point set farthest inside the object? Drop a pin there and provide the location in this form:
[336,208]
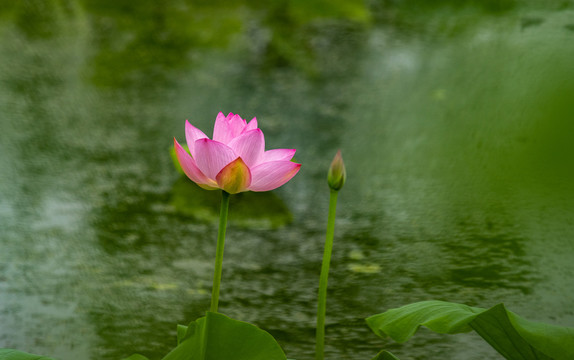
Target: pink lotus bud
[337,173]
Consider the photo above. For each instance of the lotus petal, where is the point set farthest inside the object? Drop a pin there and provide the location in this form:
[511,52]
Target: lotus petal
[278,155]
[192,134]
[227,127]
[212,156]
[251,125]
[271,175]
[234,177]
[250,146]
[190,168]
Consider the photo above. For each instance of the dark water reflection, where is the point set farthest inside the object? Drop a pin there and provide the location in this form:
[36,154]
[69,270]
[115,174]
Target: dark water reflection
[454,120]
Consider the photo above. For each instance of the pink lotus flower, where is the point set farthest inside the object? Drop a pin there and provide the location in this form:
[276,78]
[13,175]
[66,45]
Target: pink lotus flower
[235,160]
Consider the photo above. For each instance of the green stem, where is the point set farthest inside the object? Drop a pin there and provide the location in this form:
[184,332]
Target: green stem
[322,301]
[219,253]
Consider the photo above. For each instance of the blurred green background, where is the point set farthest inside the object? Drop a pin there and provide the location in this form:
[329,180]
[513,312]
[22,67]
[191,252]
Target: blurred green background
[455,120]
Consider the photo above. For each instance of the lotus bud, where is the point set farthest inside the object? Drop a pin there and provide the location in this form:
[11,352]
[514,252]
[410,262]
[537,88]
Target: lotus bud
[337,173]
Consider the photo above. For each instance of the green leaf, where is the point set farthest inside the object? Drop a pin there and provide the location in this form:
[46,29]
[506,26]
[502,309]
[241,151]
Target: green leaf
[217,336]
[518,338]
[136,357]
[439,316]
[181,331]
[10,354]
[385,355]
[512,336]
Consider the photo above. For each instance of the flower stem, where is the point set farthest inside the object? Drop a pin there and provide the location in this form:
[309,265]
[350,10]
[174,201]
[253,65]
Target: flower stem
[322,301]
[219,253]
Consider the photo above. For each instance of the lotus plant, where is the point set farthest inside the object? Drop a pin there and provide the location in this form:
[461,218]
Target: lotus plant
[336,178]
[234,160]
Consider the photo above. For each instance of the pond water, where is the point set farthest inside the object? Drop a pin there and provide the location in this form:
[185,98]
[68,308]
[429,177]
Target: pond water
[455,121]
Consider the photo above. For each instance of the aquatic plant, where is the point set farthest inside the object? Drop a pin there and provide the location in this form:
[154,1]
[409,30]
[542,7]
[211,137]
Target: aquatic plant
[235,161]
[336,179]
